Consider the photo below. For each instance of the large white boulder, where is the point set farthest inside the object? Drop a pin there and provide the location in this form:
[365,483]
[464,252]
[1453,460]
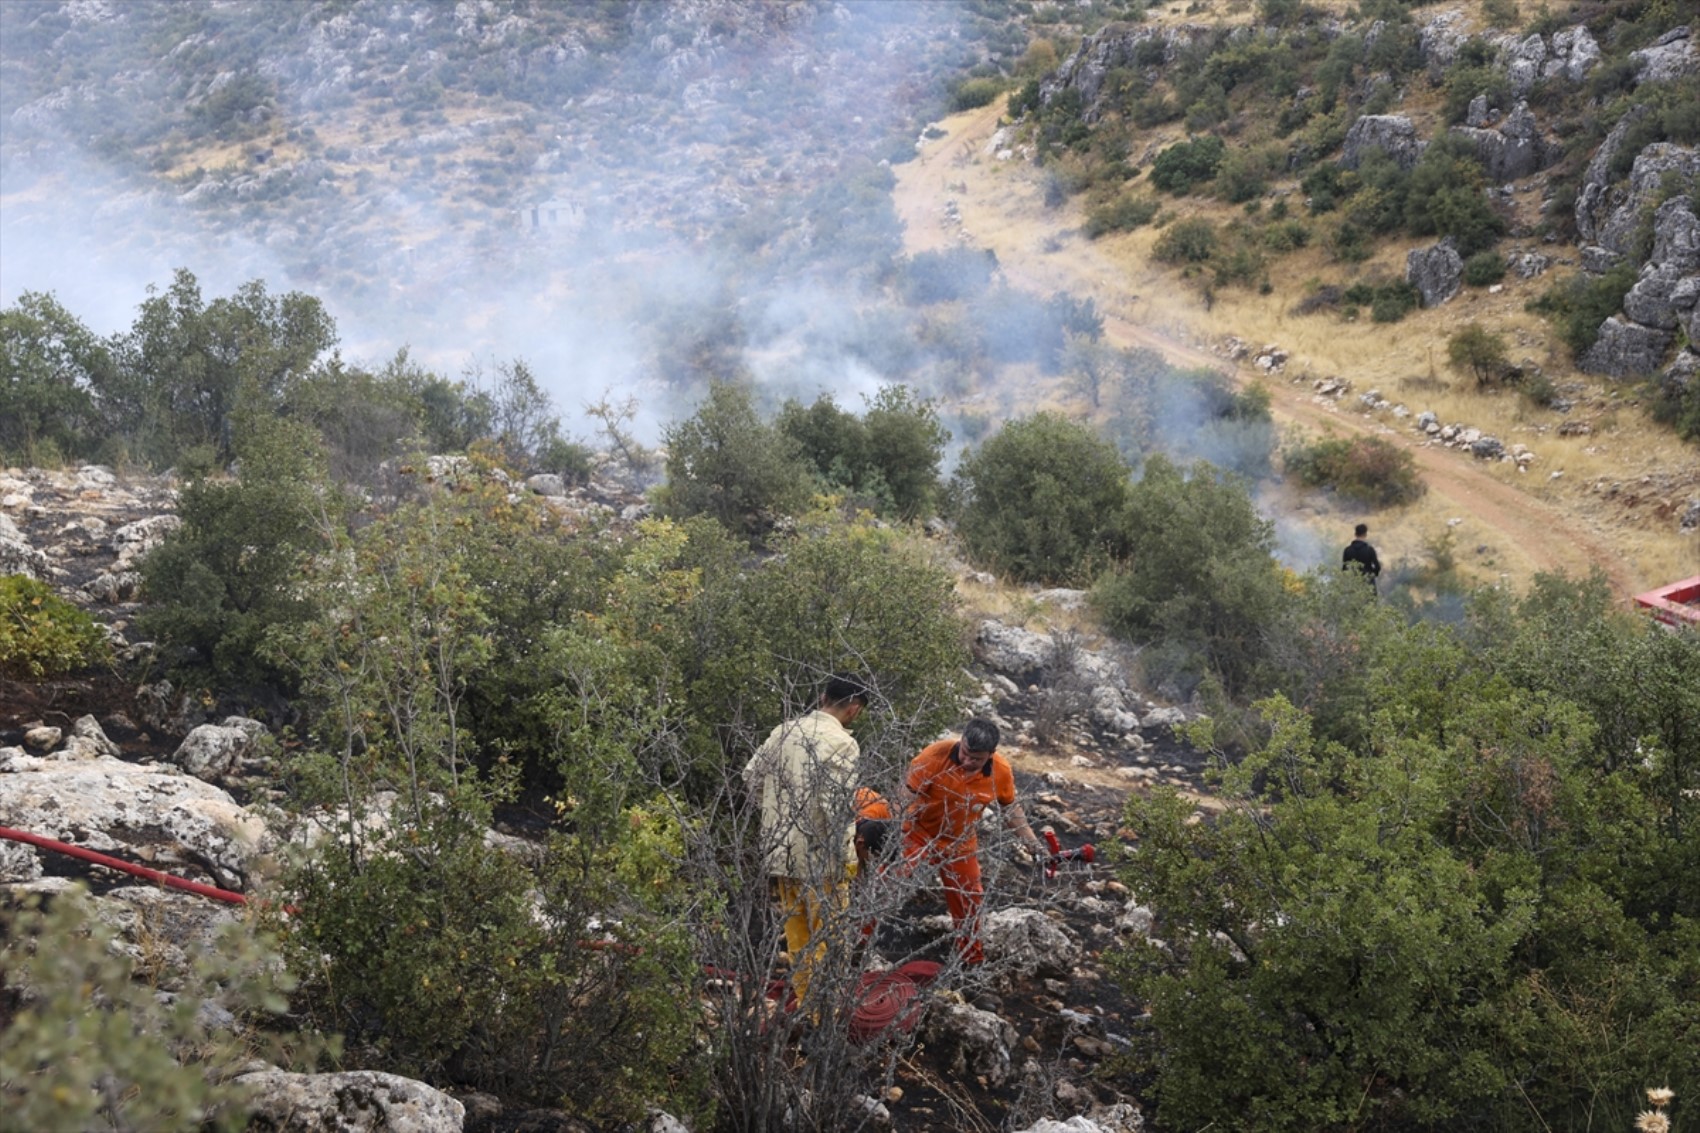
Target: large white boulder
[358,1101]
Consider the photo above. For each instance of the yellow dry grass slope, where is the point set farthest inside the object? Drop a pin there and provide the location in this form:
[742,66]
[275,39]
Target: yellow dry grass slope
[1608,498]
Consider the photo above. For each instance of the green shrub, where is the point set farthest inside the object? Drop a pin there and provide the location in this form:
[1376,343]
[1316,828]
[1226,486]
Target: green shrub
[216,586]
[1186,242]
[1473,840]
[1181,166]
[1285,235]
[1484,268]
[725,462]
[41,634]
[1677,404]
[1478,351]
[96,1045]
[971,94]
[1042,497]
[1388,301]
[1367,470]
[947,276]
[1579,305]
[1349,244]
[1122,214]
[1199,574]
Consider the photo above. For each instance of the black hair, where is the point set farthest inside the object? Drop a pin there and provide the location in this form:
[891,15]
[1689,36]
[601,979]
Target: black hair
[1361,530]
[841,690]
[980,735]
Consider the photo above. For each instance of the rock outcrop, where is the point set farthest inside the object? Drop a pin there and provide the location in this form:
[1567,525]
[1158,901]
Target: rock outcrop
[1667,59]
[1512,150]
[1626,349]
[1574,53]
[1437,272]
[1393,134]
[85,796]
[1114,47]
[358,1101]
[1608,213]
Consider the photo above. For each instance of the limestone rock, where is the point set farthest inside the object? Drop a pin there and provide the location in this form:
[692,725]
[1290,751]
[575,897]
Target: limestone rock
[973,1041]
[1626,349]
[1437,272]
[1394,134]
[133,541]
[1670,57]
[1522,60]
[1439,42]
[1670,280]
[215,752]
[1575,52]
[547,484]
[137,812]
[1610,214]
[358,1101]
[17,556]
[1513,150]
[1028,943]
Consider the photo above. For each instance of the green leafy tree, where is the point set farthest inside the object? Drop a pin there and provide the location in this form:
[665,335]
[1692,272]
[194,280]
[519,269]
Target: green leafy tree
[1480,352]
[905,444]
[1043,499]
[1199,574]
[186,365]
[52,370]
[725,462]
[217,584]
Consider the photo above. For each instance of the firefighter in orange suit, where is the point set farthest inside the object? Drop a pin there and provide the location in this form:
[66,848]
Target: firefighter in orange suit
[948,787]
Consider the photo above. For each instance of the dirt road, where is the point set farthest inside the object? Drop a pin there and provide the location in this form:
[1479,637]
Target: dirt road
[994,209]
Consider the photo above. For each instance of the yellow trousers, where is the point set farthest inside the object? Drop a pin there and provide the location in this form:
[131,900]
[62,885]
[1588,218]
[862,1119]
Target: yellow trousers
[807,910]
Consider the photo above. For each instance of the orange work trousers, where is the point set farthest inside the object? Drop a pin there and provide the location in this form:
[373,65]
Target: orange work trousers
[959,873]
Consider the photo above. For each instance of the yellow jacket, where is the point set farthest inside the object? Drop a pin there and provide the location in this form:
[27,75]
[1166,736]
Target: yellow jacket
[805,776]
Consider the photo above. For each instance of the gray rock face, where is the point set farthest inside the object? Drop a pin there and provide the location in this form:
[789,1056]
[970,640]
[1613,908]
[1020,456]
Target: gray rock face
[1394,134]
[1522,61]
[1514,150]
[215,752]
[16,554]
[1574,53]
[1440,40]
[1528,265]
[1437,272]
[547,484]
[1113,47]
[1591,203]
[133,811]
[1670,57]
[360,1101]
[1028,943]
[1626,349]
[1670,281]
[976,1042]
[1609,214]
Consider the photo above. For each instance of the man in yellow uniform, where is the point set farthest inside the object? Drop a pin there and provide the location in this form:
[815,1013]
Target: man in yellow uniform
[805,777]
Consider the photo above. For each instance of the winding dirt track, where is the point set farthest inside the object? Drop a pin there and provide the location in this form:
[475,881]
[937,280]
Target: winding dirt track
[1536,536]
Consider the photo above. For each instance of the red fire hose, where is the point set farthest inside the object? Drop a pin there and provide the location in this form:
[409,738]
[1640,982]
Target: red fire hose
[165,879]
[1059,855]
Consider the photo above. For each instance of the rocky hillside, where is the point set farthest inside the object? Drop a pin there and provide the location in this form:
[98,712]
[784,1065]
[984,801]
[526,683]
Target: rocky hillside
[1588,152]
[128,766]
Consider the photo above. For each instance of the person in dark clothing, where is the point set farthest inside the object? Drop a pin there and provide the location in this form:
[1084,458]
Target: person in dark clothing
[1360,554]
